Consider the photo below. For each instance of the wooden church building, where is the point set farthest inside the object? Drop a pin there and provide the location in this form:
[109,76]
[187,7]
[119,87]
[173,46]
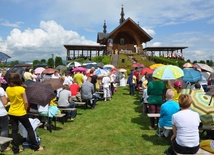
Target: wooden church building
[127,37]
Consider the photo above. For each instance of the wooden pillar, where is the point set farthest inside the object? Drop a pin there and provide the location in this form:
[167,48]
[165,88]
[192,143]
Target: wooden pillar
[73,53]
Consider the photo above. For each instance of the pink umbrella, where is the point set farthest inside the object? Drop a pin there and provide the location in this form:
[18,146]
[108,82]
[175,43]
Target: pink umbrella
[39,70]
[188,65]
[137,65]
[81,69]
[49,71]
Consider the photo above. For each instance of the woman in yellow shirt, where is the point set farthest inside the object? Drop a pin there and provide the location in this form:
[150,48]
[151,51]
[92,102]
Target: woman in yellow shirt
[17,112]
[176,87]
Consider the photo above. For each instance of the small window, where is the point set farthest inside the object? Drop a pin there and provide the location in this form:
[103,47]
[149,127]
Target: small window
[122,41]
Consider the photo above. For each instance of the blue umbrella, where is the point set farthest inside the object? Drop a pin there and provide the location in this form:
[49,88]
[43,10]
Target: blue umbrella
[4,56]
[191,75]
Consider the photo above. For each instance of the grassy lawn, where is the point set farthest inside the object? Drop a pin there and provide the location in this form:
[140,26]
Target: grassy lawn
[113,127]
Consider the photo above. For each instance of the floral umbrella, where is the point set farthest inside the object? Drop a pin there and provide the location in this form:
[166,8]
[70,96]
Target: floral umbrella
[202,104]
[168,72]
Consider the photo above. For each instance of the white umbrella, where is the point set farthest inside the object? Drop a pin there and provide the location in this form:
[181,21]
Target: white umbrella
[122,70]
[204,67]
[109,66]
[73,64]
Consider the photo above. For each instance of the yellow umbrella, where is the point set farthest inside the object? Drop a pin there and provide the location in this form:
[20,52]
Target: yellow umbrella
[154,66]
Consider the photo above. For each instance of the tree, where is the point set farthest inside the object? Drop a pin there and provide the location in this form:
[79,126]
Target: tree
[188,60]
[43,60]
[58,61]
[50,63]
[35,62]
[194,62]
[202,61]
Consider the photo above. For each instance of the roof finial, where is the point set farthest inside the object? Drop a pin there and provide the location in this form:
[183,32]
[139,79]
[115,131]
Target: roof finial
[122,19]
[104,27]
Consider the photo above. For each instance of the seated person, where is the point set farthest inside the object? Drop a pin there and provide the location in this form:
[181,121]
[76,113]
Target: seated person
[74,88]
[87,91]
[65,101]
[166,111]
[185,124]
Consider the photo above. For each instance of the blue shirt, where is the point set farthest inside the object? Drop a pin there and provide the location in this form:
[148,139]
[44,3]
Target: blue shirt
[167,110]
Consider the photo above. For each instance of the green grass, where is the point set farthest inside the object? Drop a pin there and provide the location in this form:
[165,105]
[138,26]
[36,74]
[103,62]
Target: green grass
[115,127]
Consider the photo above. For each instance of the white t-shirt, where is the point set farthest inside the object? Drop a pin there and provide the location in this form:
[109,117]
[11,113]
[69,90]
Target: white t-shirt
[3,111]
[187,123]
[68,80]
[63,98]
[106,82]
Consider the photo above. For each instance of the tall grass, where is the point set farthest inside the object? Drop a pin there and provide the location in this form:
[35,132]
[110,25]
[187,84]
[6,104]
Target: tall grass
[115,127]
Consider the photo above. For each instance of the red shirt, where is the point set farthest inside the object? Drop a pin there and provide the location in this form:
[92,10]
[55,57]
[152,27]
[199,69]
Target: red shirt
[74,88]
[136,73]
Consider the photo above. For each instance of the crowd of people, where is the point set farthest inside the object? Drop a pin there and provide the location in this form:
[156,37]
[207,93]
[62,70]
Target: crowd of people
[166,98]
[76,86]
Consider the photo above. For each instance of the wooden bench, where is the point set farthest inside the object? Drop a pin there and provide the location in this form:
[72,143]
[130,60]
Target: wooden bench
[81,103]
[4,140]
[49,119]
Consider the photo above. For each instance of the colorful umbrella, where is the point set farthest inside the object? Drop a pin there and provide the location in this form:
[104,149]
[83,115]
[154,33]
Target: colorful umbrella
[188,65]
[137,64]
[146,70]
[100,72]
[202,105]
[168,72]
[49,71]
[191,75]
[39,70]
[154,66]
[81,69]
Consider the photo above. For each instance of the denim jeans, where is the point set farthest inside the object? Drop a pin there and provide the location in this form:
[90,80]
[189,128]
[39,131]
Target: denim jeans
[15,127]
[4,130]
[71,114]
[132,89]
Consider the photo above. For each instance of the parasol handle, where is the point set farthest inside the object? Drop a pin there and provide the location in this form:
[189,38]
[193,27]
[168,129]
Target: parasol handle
[211,99]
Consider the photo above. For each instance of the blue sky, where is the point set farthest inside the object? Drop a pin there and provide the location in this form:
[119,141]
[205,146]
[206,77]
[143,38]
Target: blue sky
[32,29]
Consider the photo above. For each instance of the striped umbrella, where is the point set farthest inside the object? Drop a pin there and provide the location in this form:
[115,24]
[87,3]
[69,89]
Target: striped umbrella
[202,104]
[168,72]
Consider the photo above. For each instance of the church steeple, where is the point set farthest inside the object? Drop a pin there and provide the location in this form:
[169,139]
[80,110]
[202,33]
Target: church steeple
[122,14]
[104,27]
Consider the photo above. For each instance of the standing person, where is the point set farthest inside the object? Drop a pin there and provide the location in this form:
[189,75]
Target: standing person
[155,92]
[136,73]
[27,75]
[65,101]
[3,119]
[185,124]
[131,82]
[106,84]
[17,113]
[79,78]
[167,109]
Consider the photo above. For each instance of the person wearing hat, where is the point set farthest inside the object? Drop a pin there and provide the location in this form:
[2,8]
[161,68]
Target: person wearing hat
[176,87]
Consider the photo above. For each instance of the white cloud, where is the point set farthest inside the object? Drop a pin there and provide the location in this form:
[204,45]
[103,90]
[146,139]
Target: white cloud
[42,42]
[9,24]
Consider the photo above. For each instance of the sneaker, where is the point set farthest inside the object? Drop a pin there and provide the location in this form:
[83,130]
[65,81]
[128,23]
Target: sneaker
[159,134]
